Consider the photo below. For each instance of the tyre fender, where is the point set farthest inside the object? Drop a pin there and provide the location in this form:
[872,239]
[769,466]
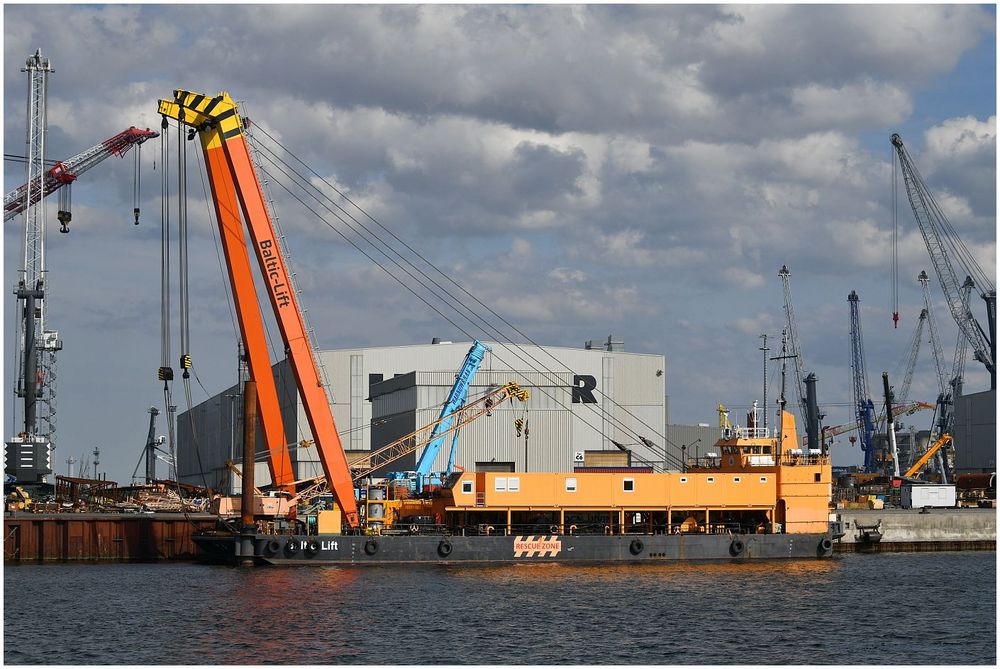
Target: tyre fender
[737,547]
[444,548]
[636,546]
[371,547]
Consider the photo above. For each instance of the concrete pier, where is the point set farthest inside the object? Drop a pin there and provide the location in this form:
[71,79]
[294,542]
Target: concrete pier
[917,530]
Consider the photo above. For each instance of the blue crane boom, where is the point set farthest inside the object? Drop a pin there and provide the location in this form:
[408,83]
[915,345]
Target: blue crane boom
[862,396]
[456,399]
[449,411]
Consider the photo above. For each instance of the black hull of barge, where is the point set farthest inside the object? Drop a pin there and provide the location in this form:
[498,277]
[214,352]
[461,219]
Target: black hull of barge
[431,549]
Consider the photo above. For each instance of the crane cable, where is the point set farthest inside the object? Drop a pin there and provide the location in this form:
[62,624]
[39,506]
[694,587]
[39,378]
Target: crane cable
[612,419]
[165,373]
[185,361]
[136,181]
[894,266]
[548,372]
[301,179]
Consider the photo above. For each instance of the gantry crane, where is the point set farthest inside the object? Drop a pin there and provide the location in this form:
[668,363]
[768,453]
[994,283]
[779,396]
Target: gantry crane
[942,242]
[236,188]
[66,172]
[863,405]
[795,351]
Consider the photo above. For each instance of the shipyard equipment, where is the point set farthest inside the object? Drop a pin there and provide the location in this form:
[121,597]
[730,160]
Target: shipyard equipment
[944,245]
[29,454]
[235,188]
[457,396]
[863,405]
[380,458]
[65,172]
[794,349]
[890,430]
[923,459]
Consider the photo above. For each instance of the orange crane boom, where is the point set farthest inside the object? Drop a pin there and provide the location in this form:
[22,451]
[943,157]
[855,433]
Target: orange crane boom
[221,130]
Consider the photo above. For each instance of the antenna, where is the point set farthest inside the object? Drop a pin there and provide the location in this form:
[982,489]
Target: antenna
[765,349]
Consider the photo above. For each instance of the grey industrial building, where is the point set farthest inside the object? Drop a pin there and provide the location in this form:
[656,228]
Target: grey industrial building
[581,400]
[976,432]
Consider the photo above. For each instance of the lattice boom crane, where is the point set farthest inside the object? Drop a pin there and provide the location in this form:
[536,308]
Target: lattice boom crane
[942,243]
[66,172]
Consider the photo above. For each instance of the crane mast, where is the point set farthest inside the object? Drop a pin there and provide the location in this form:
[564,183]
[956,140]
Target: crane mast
[938,237]
[911,359]
[794,350]
[29,453]
[862,396]
[935,342]
[42,184]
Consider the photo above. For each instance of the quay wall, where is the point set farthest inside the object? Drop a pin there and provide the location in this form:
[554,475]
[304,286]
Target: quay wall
[61,537]
[915,530]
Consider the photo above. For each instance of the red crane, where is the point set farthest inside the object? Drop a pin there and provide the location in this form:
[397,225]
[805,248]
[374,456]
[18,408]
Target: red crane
[66,171]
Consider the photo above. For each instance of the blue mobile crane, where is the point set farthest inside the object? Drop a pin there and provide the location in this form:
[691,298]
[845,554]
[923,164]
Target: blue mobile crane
[862,396]
[422,476]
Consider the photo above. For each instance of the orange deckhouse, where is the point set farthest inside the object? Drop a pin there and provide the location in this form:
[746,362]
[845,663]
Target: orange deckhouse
[752,485]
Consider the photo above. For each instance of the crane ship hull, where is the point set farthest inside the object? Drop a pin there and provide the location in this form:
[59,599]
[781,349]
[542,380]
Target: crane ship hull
[750,501]
[383,550]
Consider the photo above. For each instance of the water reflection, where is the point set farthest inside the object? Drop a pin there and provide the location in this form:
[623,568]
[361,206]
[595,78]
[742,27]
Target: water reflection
[773,613]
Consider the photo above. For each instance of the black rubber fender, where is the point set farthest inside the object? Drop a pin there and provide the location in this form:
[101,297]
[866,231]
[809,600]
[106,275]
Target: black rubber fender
[636,546]
[312,547]
[445,548]
[736,548]
[272,546]
[371,547]
[826,545]
[291,547]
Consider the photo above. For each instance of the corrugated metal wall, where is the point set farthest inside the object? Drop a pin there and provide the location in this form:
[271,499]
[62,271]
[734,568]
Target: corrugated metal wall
[557,426]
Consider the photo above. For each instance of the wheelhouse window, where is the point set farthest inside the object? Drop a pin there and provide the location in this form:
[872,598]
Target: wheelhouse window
[467,487]
[628,485]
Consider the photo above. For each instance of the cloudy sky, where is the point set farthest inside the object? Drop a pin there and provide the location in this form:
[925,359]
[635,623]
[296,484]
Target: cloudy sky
[643,171]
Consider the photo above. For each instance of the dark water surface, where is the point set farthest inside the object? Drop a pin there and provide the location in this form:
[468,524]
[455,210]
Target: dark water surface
[903,608]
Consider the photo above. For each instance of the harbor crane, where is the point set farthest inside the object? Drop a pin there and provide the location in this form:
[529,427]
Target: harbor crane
[457,397]
[29,453]
[910,365]
[405,445]
[236,188]
[943,244]
[863,405]
[65,172]
[794,349]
